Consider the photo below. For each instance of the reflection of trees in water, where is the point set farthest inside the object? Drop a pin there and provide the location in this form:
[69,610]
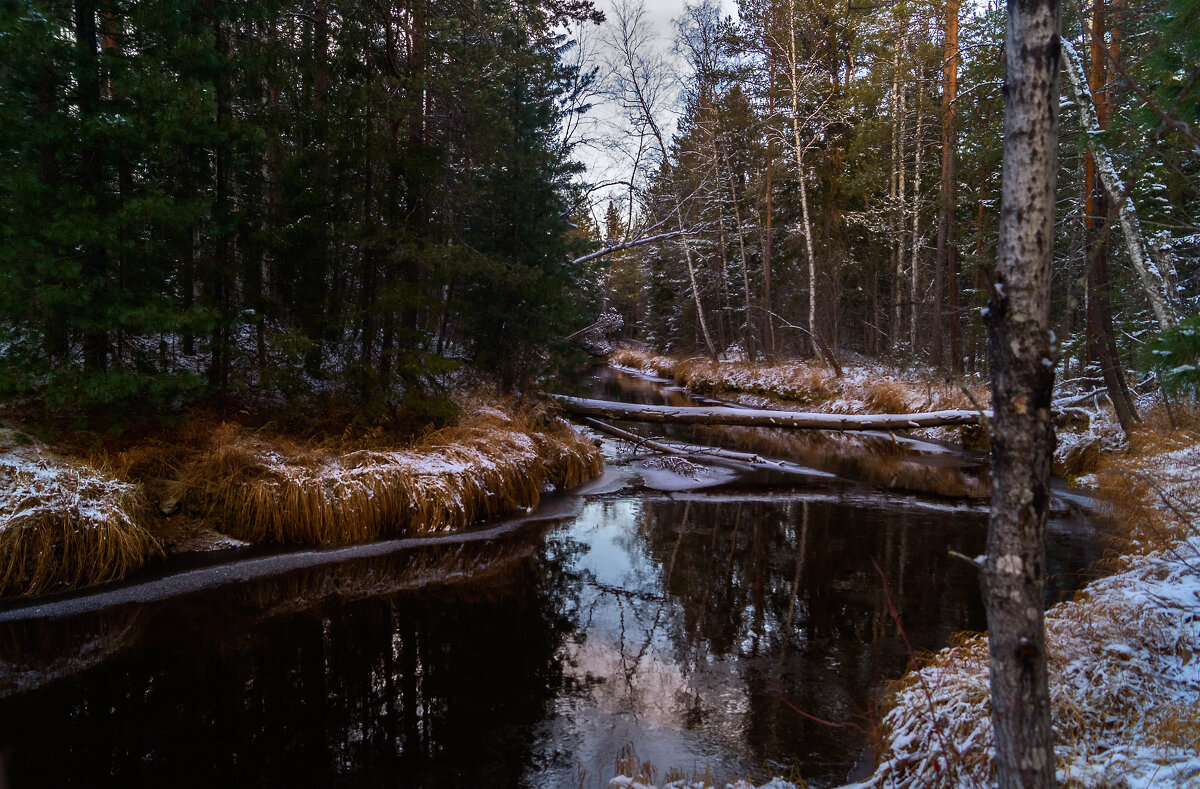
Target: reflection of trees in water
[439,686]
[787,592]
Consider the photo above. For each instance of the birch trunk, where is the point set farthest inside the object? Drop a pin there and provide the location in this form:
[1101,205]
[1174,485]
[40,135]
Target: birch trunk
[916,239]
[794,81]
[1022,384]
[1162,301]
[897,214]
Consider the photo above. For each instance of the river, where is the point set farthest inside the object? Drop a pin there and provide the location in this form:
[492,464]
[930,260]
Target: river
[704,620]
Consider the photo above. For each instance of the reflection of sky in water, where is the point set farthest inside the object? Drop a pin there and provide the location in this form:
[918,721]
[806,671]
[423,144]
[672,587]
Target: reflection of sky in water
[684,713]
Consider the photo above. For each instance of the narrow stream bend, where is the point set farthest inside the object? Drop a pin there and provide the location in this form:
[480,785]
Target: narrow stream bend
[689,618]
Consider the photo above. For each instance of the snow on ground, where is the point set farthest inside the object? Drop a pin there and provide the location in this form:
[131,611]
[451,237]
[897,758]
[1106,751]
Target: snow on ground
[1124,662]
[34,480]
[866,387]
[673,473]
[628,782]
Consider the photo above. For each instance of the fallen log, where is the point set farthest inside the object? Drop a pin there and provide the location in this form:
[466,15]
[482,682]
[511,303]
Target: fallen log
[750,417]
[693,450]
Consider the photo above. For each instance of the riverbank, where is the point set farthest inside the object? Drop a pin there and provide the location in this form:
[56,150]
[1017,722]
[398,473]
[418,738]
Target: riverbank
[1124,679]
[72,518]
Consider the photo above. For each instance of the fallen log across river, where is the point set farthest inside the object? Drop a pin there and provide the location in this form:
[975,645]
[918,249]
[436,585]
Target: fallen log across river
[751,417]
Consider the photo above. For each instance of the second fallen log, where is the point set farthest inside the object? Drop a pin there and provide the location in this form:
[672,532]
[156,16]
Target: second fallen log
[751,417]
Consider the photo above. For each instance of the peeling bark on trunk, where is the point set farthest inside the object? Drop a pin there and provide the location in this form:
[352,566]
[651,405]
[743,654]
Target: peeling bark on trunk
[1022,385]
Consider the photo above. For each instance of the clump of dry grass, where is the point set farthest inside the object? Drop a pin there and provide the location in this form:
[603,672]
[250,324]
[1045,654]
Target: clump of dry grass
[491,463]
[65,524]
[862,389]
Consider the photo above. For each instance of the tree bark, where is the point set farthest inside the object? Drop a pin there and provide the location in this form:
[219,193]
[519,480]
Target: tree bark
[1101,345]
[946,269]
[1022,383]
[916,239]
[1162,301]
[747,417]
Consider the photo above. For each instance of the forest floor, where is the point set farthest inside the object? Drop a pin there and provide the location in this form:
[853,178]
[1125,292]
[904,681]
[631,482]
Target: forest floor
[1124,667]
[88,510]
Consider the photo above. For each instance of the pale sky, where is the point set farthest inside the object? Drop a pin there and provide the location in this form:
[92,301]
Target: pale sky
[604,166]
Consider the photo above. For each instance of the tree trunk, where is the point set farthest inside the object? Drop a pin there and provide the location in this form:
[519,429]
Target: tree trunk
[769,334]
[1101,346]
[895,211]
[1022,384]
[946,274]
[916,239]
[747,417]
[95,269]
[741,235]
[1162,301]
[901,118]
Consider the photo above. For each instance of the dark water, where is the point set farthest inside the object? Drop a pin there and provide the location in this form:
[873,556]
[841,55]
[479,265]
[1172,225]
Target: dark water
[691,624]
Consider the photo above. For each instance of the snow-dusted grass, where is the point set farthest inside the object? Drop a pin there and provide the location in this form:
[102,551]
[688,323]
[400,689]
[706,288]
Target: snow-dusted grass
[1124,654]
[63,523]
[492,463]
[866,388]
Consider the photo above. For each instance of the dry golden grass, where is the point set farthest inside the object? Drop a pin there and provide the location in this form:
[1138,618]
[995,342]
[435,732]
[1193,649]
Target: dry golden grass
[491,463]
[65,525]
[860,390]
[1154,483]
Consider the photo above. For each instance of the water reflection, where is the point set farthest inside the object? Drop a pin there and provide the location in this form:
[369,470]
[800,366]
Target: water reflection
[692,624]
[442,686]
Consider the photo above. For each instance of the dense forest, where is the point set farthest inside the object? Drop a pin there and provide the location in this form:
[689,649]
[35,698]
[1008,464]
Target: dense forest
[213,198]
[837,172]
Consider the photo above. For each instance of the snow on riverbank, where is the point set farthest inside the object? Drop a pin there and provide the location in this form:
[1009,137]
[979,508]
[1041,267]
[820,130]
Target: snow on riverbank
[492,463]
[863,388]
[1124,658]
[1124,654]
[64,523]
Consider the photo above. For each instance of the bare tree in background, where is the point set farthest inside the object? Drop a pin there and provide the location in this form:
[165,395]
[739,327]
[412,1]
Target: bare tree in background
[1022,385]
[641,77]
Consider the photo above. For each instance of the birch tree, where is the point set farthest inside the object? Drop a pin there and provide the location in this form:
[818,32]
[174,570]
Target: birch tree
[1154,284]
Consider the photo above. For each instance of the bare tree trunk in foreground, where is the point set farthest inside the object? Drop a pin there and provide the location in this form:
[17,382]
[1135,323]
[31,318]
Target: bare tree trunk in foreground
[1022,384]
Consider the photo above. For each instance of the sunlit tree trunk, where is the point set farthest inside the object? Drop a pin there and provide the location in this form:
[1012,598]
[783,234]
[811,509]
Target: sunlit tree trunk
[1022,386]
[946,267]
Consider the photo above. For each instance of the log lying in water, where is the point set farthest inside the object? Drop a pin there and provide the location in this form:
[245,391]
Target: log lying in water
[696,451]
[749,417]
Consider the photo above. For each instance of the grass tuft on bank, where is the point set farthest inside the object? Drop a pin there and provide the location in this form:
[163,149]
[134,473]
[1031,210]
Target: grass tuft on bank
[491,463]
[65,524]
